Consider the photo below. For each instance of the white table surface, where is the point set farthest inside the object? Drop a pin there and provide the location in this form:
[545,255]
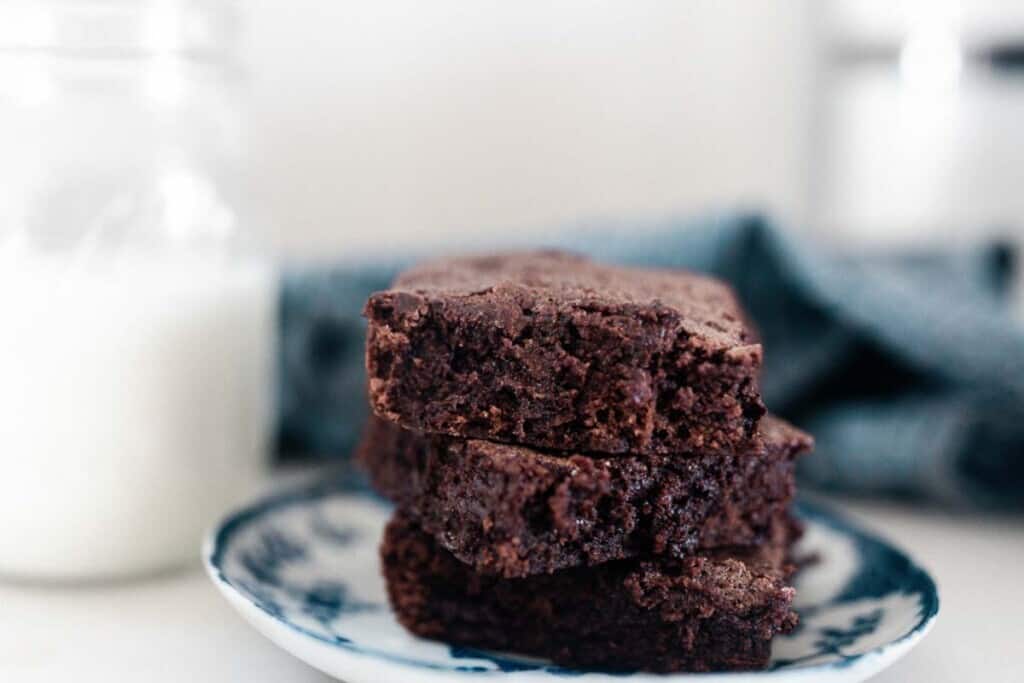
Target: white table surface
[177,628]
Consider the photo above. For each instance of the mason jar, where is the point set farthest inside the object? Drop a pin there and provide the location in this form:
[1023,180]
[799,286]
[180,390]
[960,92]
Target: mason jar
[138,314]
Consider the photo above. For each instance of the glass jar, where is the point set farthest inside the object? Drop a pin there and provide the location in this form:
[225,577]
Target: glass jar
[138,321]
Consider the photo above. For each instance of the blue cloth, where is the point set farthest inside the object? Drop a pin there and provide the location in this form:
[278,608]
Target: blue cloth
[907,367]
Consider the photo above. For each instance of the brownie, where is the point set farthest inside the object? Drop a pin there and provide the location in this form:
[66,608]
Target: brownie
[551,350]
[716,611]
[516,511]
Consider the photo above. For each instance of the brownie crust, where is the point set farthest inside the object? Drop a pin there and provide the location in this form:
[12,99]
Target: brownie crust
[514,511]
[709,612]
[548,349]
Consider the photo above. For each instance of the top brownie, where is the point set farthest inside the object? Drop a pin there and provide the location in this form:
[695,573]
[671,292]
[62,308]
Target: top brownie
[551,350]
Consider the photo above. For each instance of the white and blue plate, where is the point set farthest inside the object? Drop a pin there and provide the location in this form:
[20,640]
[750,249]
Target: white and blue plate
[303,569]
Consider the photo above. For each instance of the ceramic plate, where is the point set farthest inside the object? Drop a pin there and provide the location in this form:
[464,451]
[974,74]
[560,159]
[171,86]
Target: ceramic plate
[303,569]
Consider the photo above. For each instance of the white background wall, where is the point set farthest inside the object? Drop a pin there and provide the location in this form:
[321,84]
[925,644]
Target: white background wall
[380,122]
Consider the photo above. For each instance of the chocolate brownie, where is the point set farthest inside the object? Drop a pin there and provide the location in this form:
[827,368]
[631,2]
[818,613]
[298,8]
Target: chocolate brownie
[716,611]
[551,350]
[516,511]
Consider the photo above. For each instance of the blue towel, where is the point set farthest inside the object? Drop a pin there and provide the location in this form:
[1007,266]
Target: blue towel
[907,367]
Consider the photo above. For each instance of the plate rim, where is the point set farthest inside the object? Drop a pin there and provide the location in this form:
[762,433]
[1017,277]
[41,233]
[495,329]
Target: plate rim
[858,667]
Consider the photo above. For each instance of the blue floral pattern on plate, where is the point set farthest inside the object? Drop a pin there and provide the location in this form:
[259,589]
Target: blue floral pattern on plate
[303,568]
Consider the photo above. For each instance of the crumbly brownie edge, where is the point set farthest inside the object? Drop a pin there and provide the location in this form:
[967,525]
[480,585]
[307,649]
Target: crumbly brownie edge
[702,614]
[515,512]
[508,365]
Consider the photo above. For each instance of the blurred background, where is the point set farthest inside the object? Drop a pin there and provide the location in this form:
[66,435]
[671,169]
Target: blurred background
[164,162]
[858,121]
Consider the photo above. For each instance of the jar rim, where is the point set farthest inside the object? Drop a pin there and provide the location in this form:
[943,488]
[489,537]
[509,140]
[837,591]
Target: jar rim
[201,29]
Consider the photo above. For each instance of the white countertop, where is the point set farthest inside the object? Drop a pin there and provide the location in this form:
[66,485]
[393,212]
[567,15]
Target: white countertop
[177,628]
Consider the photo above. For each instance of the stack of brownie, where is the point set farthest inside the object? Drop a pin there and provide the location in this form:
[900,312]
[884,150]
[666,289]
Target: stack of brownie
[580,464]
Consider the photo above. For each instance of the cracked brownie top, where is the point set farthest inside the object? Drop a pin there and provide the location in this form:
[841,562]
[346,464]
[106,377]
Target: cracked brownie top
[551,350]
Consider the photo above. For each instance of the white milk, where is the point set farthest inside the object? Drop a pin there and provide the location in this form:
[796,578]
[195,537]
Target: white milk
[135,399]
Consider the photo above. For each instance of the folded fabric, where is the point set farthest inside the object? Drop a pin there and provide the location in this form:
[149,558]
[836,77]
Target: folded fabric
[907,367]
